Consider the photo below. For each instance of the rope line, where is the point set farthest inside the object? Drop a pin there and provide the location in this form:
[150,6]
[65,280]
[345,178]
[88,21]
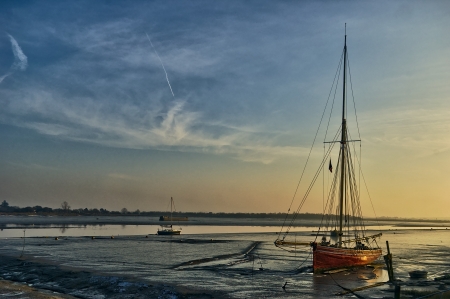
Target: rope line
[315,136]
[351,185]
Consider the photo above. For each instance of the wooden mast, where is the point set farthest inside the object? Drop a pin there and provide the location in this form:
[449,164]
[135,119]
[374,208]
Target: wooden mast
[343,147]
[171,209]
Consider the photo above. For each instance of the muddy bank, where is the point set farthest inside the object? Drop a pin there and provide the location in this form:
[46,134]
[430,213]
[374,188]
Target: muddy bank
[32,278]
[246,255]
[11,289]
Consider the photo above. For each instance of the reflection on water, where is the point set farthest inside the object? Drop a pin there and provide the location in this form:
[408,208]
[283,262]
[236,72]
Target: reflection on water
[115,230]
[63,228]
[78,230]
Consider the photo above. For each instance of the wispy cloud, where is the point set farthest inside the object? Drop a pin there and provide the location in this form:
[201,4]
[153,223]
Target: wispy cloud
[422,132]
[174,128]
[231,73]
[122,176]
[111,92]
[20,60]
[4,76]
[33,166]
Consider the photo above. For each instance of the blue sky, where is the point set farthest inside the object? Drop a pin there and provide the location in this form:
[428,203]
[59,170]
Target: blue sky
[87,114]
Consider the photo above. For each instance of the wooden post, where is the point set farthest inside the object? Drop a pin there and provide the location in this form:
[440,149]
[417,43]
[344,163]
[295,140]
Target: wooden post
[388,260]
[397,292]
[390,269]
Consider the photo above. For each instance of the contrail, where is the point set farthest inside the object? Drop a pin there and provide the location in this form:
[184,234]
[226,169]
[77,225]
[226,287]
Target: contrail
[167,78]
[20,60]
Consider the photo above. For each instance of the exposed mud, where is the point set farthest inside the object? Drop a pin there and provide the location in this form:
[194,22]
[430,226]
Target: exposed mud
[28,278]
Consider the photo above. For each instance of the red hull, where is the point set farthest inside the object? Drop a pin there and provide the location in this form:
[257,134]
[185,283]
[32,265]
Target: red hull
[326,258]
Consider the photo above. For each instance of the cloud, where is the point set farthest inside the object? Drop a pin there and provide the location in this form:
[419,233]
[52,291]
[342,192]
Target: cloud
[175,128]
[4,76]
[20,60]
[33,166]
[110,91]
[422,132]
[232,74]
[121,176]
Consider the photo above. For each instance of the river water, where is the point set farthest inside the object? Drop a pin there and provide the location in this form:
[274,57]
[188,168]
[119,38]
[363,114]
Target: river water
[212,258]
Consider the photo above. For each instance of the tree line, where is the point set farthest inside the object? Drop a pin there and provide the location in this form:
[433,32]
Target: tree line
[66,210]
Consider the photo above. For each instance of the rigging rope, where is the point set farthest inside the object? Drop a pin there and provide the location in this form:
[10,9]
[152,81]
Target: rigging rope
[367,189]
[309,254]
[328,125]
[357,125]
[337,74]
[351,184]
[294,217]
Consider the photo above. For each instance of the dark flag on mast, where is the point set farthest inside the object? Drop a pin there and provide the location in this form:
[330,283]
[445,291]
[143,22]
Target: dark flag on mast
[330,167]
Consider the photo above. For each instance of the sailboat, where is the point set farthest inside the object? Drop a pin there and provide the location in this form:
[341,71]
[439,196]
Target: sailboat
[168,229]
[344,240]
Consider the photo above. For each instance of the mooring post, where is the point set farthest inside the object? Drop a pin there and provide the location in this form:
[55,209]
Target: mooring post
[388,260]
[390,268]
[397,292]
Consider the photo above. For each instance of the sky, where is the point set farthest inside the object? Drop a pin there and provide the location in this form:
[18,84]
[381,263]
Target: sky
[113,104]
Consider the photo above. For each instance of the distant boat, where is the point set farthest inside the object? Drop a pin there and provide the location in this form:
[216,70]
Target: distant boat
[168,229]
[348,245]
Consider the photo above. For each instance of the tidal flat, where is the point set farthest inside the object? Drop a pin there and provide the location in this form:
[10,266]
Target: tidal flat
[212,258]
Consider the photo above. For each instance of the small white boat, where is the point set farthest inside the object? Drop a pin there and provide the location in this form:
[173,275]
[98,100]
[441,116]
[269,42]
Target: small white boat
[168,230]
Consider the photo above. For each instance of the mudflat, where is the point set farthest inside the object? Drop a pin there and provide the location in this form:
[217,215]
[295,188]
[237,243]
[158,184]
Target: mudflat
[32,278]
[11,289]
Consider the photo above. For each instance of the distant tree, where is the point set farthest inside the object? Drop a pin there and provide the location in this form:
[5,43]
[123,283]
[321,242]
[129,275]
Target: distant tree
[65,206]
[137,212]
[4,204]
[47,210]
[27,210]
[124,211]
